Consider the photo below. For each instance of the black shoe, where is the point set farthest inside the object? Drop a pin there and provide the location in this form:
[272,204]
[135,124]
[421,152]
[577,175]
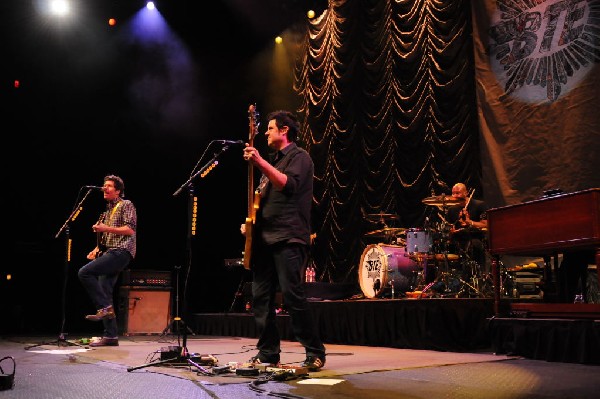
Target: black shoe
[258,360]
[314,363]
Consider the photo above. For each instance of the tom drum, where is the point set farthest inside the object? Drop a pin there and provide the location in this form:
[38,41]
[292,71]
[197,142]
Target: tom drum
[418,240]
[385,267]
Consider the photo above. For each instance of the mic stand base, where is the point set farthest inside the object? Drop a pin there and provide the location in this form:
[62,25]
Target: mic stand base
[175,326]
[174,361]
[60,341]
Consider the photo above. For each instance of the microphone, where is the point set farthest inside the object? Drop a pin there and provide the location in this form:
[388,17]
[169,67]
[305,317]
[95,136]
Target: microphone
[230,141]
[94,188]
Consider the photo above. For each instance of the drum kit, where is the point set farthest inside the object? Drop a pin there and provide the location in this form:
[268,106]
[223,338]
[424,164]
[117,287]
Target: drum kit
[422,262]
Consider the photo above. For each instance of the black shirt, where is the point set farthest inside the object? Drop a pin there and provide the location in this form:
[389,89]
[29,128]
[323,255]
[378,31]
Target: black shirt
[284,215]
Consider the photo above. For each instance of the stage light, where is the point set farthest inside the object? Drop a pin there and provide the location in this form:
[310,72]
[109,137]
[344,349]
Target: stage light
[278,40]
[59,7]
[112,21]
[310,14]
[150,5]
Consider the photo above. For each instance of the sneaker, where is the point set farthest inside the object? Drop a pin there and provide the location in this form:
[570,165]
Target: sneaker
[104,313]
[314,363]
[105,341]
[257,361]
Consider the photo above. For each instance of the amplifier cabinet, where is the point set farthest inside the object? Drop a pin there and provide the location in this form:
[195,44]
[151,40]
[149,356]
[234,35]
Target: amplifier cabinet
[143,310]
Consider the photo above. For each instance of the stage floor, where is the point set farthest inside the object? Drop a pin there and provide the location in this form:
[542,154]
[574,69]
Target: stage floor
[58,371]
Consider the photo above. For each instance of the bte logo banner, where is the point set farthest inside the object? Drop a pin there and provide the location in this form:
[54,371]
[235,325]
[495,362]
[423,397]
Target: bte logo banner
[541,49]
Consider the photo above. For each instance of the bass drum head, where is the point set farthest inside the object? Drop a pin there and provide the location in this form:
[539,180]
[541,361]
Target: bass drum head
[385,266]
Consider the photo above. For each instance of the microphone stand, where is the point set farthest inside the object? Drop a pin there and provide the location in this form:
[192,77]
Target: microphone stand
[61,340]
[183,355]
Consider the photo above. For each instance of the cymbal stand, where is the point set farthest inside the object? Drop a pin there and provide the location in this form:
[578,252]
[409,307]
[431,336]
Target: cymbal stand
[474,270]
[444,275]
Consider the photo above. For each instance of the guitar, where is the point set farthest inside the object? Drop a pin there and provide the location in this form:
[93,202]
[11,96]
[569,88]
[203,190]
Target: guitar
[99,244]
[253,195]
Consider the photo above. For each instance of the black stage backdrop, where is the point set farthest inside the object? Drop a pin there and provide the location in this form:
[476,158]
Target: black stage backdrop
[386,91]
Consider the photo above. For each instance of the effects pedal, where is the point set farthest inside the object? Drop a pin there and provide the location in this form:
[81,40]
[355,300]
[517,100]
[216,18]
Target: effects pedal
[290,370]
[247,371]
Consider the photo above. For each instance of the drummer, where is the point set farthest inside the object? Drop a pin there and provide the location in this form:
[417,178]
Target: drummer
[469,224]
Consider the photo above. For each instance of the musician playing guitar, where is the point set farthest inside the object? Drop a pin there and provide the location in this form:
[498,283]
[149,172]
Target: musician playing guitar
[115,249]
[282,240]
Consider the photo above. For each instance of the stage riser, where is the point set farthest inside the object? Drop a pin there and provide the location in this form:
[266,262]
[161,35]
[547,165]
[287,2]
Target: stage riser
[553,340]
[433,324]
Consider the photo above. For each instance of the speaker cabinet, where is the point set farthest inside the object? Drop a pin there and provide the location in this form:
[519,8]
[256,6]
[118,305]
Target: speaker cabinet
[144,310]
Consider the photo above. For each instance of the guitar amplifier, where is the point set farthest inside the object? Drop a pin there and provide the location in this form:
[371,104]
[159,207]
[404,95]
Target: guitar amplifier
[144,302]
[143,310]
[146,278]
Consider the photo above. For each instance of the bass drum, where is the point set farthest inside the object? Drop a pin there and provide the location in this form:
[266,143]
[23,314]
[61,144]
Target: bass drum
[383,267]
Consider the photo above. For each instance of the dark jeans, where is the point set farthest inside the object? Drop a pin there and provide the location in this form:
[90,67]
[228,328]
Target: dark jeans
[99,277]
[283,264]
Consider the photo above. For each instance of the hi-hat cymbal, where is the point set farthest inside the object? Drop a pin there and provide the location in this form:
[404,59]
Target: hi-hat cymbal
[385,232]
[443,200]
[382,216]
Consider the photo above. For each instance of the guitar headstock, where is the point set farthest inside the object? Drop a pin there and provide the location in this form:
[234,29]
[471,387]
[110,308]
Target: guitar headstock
[253,121]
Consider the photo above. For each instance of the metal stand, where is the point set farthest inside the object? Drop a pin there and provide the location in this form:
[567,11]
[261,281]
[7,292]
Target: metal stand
[184,356]
[176,322]
[61,340]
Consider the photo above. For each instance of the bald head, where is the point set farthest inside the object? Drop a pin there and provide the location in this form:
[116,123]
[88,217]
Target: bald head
[459,190]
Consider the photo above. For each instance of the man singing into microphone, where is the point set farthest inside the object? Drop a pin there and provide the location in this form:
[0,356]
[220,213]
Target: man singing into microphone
[115,249]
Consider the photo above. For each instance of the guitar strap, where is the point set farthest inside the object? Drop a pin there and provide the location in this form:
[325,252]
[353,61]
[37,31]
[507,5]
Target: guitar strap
[104,218]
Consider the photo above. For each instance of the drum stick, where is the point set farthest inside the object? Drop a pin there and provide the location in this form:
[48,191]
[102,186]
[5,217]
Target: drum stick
[469,200]
[467,204]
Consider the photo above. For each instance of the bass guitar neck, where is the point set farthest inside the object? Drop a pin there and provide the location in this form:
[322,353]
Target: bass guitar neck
[253,197]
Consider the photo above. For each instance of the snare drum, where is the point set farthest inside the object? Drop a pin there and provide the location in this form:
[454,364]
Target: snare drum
[383,267]
[418,240]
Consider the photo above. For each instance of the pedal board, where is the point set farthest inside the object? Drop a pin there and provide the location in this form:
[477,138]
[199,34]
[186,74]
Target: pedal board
[249,369]
[175,354]
[292,370]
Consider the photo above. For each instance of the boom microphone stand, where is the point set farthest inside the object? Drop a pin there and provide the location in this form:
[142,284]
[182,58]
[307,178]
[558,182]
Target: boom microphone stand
[61,340]
[184,355]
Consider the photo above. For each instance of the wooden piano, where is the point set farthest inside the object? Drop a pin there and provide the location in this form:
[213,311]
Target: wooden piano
[544,227]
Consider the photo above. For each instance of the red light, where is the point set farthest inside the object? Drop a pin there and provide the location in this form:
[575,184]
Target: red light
[17,84]
[112,22]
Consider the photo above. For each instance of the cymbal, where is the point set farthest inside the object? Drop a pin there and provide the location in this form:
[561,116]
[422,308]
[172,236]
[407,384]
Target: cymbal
[443,200]
[386,232]
[382,216]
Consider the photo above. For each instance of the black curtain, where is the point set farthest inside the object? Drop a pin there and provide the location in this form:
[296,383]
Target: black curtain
[388,95]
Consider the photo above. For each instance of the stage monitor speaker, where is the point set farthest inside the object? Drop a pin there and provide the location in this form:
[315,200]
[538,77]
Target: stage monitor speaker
[144,310]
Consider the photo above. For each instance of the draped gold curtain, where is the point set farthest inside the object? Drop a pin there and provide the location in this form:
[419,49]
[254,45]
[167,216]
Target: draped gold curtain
[388,95]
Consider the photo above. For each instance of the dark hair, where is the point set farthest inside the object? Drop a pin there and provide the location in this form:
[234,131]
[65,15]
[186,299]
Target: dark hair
[285,118]
[118,182]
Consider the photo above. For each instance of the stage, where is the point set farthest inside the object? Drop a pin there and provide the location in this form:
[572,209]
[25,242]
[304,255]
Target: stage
[530,329]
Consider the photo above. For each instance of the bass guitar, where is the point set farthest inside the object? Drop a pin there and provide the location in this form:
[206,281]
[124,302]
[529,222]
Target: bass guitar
[253,195]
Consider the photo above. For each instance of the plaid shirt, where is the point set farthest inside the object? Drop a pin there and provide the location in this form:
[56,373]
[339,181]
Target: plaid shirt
[119,213]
